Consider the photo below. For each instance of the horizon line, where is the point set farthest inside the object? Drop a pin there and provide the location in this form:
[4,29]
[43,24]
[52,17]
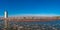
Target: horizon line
[48,15]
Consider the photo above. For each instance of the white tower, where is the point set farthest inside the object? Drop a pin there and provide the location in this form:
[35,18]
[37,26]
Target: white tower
[5,14]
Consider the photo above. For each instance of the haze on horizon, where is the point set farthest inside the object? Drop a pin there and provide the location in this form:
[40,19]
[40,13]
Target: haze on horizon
[41,15]
[30,7]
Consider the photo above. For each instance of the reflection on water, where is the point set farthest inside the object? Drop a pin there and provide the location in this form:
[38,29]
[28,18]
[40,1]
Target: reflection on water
[51,25]
[39,23]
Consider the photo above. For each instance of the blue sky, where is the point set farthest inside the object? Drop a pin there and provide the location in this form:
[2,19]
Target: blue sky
[18,7]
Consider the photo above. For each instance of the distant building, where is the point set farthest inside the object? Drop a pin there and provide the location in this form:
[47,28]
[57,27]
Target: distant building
[5,14]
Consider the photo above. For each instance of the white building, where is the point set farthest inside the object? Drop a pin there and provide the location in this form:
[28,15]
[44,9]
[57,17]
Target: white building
[5,14]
